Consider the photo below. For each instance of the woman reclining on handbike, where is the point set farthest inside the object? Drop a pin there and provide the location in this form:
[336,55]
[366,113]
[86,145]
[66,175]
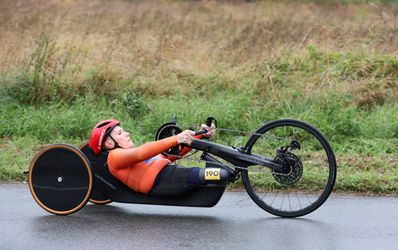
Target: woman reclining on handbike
[287,167]
[144,169]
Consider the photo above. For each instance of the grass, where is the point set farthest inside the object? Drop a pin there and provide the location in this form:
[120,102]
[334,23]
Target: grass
[331,64]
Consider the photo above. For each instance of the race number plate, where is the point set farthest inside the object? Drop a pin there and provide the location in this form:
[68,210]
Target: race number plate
[212,173]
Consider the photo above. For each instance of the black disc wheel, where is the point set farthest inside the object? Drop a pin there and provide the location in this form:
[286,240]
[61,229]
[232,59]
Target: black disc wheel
[60,179]
[96,196]
[308,169]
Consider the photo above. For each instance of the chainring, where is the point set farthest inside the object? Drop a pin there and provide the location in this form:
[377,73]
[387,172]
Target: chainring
[167,130]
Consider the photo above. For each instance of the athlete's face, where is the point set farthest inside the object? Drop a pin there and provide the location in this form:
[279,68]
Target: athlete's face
[121,137]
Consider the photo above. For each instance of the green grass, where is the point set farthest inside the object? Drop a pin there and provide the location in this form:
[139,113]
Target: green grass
[356,132]
[333,65]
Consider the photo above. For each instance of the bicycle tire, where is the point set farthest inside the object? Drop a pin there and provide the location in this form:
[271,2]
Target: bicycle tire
[297,171]
[96,196]
[60,179]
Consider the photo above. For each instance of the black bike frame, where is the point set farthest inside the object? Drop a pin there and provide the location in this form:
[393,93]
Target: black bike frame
[238,157]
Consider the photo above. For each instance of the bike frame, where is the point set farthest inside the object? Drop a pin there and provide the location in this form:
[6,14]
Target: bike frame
[237,156]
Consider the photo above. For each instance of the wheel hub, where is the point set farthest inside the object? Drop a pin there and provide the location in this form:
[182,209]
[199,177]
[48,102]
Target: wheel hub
[60,179]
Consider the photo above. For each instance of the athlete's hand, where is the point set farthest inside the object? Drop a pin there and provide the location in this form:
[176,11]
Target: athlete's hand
[185,137]
[211,131]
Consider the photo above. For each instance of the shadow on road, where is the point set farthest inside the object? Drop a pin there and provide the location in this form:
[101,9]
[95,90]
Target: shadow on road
[294,233]
[112,222]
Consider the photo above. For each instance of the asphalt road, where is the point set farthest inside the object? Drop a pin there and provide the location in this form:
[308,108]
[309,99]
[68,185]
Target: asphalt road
[343,222]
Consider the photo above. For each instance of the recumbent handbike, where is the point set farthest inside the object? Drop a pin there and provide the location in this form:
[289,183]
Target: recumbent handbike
[287,167]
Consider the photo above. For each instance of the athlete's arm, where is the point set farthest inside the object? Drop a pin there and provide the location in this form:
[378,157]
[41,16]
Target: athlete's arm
[123,158]
[183,152]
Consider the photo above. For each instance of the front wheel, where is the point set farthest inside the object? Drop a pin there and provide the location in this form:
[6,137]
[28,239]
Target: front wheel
[308,173]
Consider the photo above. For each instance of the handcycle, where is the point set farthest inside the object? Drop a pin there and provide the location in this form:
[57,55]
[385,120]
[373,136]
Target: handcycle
[287,167]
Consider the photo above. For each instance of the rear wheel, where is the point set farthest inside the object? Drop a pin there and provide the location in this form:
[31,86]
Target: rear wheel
[96,196]
[60,179]
[308,174]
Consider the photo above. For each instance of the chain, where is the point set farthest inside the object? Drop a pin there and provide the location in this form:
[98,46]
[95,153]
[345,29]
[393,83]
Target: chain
[233,167]
[241,132]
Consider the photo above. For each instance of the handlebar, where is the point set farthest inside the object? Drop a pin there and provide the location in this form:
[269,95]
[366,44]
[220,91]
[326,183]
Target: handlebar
[209,121]
[200,132]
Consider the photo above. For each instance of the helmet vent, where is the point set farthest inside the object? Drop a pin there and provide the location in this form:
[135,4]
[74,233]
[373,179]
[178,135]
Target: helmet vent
[103,124]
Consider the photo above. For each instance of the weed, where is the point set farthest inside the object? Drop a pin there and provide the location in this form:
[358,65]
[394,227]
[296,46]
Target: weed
[134,104]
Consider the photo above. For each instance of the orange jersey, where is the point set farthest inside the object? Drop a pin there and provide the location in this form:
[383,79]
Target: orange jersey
[138,167]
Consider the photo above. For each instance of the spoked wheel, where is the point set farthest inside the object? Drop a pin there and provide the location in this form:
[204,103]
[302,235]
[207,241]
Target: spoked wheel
[96,196]
[60,179]
[308,174]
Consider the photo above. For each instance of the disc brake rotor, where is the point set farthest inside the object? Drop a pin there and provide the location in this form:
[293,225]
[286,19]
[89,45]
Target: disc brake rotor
[292,172]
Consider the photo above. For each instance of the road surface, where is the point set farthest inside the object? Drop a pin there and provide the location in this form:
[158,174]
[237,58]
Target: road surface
[343,222]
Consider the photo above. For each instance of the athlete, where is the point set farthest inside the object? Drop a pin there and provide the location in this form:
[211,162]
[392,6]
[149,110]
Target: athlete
[144,169]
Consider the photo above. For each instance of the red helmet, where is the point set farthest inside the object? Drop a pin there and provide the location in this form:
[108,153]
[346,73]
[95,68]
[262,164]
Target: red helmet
[99,134]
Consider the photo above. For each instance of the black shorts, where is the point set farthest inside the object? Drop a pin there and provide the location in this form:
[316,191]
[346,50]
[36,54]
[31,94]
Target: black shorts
[173,180]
